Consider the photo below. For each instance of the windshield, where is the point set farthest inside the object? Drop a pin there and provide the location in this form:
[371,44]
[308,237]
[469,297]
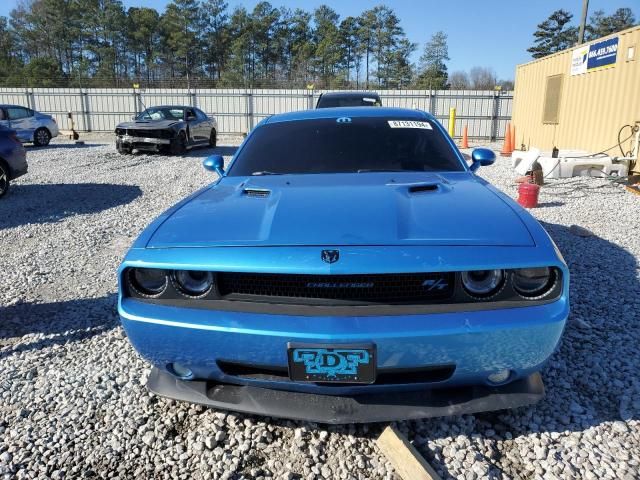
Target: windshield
[162,113]
[345,101]
[345,145]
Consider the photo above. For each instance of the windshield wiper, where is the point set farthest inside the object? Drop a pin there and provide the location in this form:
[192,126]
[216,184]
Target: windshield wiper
[265,172]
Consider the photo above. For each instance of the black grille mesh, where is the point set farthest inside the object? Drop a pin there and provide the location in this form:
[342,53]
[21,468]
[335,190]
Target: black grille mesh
[405,287]
[149,133]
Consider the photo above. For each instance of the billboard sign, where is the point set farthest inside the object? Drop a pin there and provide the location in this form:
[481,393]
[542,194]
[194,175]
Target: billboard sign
[592,57]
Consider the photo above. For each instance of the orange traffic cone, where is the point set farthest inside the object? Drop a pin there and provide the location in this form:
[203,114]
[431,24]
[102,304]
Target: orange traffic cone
[513,138]
[506,147]
[465,137]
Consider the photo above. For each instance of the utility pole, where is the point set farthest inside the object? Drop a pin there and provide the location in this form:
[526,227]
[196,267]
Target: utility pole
[583,21]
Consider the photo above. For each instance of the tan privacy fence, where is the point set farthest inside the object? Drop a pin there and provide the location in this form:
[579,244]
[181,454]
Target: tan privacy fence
[238,110]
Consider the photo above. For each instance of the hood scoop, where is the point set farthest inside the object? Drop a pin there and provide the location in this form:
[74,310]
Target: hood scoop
[427,187]
[256,192]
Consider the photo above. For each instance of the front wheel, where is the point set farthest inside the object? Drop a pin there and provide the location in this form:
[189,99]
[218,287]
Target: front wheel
[41,137]
[213,138]
[179,144]
[4,180]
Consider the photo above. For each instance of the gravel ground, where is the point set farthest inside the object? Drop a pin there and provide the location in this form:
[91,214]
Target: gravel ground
[72,397]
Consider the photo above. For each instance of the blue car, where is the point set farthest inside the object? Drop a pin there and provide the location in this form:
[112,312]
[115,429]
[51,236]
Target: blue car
[347,266]
[31,126]
[13,158]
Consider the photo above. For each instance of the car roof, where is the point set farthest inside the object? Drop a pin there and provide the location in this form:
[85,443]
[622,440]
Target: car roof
[171,106]
[354,112]
[350,94]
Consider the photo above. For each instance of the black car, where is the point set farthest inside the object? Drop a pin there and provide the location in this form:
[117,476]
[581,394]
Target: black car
[349,99]
[13,158]
[168,128]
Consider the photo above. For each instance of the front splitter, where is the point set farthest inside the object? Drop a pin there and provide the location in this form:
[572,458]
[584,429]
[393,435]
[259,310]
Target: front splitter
[362,408]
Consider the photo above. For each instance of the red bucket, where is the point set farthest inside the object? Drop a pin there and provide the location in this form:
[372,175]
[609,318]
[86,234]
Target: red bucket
[528,195]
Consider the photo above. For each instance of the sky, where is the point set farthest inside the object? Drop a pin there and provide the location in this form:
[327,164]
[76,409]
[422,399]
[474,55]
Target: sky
[492,34]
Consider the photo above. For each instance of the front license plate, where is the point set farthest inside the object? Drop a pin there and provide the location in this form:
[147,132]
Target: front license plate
[332,363]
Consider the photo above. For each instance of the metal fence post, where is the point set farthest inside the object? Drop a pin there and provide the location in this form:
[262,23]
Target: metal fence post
[432,102]
[250,118]
[310,99]
[494,116]
[85,110]
[26,94]
[136,101]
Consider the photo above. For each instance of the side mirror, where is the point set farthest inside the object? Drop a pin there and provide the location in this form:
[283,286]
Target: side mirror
[214,163]
[481,157]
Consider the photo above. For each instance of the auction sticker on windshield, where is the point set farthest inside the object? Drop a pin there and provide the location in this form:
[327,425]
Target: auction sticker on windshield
[409,124]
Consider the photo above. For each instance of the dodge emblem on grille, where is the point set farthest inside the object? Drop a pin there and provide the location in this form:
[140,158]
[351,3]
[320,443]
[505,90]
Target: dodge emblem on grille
[330,256]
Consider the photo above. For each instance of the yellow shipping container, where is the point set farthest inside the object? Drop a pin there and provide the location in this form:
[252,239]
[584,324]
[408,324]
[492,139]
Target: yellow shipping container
[580,98]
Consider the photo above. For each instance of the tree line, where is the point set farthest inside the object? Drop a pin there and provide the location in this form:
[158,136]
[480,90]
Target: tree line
[93,43]
[202,42]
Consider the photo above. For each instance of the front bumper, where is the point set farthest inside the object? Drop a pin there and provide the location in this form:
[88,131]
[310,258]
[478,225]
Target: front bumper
[129,140]
[363,408]
[477,343]
[53,129]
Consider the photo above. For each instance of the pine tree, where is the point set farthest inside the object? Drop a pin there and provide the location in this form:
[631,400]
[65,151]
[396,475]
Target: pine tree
[239,69]
[300,47]
[350,41]
[328,54]
[143,37]
[433,69]
[601,25]
[554,34]
[366,24]
[180,25]
[10,63]
[215,37]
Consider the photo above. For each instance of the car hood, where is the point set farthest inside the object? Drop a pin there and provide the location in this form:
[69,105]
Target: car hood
[344,209]
[148,124]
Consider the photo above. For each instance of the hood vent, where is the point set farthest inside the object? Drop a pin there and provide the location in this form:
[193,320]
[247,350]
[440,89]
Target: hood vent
[256,192]
[427,187]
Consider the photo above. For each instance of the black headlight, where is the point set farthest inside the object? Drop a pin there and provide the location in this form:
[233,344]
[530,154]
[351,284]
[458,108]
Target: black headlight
[193,283]
[482,283]
[149,282]
[533,282]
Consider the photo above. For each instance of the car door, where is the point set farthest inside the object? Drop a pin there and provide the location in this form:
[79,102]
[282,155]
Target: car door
[205,124]
[22,121]
[192,120]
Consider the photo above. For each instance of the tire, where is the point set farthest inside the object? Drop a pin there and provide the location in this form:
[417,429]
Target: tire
[41,137]
[179,144]
[213,138]
[4,179]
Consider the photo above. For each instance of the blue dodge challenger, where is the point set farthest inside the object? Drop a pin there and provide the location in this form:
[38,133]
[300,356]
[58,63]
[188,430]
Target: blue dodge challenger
[347,266]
